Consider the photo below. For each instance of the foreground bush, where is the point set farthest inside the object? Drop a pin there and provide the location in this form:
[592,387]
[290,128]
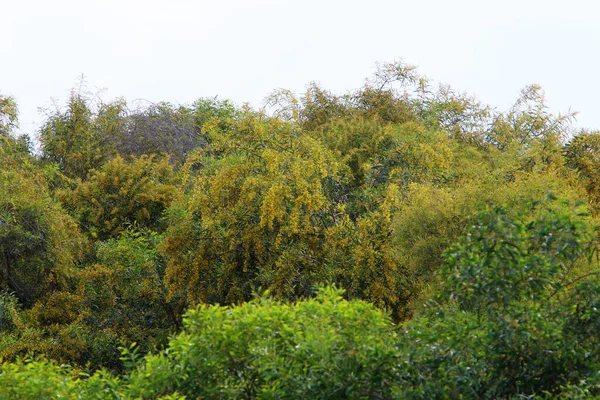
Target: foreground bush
[321,348]
[515,316]
[44,380]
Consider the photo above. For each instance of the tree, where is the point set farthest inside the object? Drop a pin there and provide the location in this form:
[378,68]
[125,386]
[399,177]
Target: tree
[76,138]
[125,294]
[528,122]
[159,129]
[254,219]
[8,115]
[581,154]
[39,242]
[122,194]
[509,318]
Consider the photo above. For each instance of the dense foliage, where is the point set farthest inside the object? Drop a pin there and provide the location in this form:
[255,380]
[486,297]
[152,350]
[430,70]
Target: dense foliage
[399,241]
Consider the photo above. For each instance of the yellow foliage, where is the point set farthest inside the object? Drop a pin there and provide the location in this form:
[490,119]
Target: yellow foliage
[123,193]
[251,220]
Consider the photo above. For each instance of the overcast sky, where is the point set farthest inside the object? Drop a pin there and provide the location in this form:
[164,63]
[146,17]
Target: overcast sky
[180,50]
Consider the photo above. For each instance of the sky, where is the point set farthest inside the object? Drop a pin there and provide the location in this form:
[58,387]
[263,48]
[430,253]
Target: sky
[181,50]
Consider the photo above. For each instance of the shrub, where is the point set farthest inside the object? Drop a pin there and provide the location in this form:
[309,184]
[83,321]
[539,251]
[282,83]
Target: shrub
[320,348]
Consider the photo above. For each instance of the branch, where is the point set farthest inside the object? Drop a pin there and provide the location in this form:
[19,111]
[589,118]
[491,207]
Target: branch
[574,281]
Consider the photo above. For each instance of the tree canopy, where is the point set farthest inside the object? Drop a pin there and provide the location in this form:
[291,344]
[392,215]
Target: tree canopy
[402,240]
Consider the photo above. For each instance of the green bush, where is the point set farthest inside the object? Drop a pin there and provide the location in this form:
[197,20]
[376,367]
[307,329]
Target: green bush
[511,319]
[320,348]
[41,379]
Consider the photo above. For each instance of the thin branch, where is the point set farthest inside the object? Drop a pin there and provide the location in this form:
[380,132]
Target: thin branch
[574,281]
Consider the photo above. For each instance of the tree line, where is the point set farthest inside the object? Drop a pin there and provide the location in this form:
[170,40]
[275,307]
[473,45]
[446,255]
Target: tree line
[400,241]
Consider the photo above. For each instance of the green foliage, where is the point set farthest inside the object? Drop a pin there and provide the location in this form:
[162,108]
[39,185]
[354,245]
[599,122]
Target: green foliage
[581,154]
[39,243]
[41,379]
[396,192]
[324,348]
[540,252]
[320,348]
[118,300]
[539,340]
[529,121]
[74,138]
[436,212]
[8,115]
[205,110]
[431,218]
[9,312]
[10,144]
[125,291]
[510,326]
[463,117]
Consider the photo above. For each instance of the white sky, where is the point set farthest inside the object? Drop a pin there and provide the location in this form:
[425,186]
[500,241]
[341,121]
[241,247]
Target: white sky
[180,50]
